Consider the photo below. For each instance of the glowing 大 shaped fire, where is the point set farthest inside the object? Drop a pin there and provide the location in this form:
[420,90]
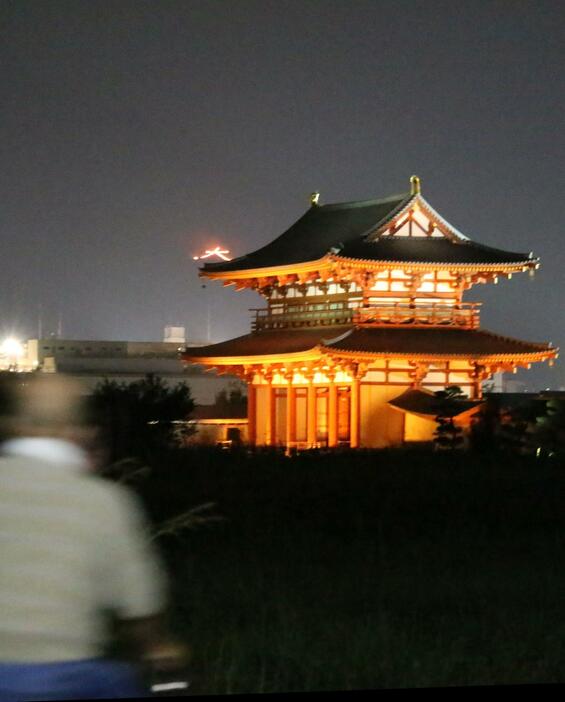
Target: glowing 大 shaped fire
[218,251]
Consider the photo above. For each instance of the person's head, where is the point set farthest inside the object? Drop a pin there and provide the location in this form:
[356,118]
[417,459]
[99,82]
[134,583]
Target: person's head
[51,406]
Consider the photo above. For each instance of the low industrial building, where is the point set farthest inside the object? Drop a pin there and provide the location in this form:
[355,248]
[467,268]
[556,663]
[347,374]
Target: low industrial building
[93,361]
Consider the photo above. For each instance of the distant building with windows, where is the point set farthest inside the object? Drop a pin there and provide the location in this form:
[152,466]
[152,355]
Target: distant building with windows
[93,361]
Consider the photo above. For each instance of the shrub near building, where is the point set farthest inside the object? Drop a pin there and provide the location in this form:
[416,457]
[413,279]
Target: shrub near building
[138,418]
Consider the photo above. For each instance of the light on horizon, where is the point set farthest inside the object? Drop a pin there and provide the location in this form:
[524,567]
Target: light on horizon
[12,348]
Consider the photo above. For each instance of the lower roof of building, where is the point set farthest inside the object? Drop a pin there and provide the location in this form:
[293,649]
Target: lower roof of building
[268,342]
[434,341]
[382,340]
[424,402]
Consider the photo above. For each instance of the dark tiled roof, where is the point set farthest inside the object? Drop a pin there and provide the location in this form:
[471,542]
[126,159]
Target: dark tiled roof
[433,341]
[268,342]
[315,233]
[422,402]
[402,340]
[428,250]
[343,229]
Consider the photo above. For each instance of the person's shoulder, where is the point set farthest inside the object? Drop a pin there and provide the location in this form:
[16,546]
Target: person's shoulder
[116,500]
[108,490]
[7,460]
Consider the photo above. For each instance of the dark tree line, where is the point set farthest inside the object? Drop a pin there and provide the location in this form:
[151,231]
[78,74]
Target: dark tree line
[141,418]
[448,435]
[532,426]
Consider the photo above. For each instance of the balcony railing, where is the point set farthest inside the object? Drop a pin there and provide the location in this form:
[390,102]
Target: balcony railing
[465,314]
[306,315]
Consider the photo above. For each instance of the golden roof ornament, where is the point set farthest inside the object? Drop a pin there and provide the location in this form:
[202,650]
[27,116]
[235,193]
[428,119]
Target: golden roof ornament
[415,185]
[314,198]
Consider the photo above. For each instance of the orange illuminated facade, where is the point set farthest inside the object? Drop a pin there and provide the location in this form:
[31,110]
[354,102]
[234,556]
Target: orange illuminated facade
[364,320]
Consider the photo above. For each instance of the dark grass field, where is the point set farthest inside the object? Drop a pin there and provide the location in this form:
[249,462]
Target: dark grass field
[352,571]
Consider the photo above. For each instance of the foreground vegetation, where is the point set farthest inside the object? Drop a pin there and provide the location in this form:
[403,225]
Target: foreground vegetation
[365,570]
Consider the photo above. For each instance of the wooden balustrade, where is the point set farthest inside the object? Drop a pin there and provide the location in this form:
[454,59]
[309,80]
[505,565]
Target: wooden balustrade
[465,314]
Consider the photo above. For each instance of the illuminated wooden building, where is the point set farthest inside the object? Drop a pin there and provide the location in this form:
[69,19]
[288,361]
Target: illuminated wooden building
[364,302]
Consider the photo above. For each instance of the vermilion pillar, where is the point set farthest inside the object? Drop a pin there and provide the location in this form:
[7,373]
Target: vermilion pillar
[270,412]
[354,423]
[332,414]
[251,413]
[479,374]
[311,432]
[290,414]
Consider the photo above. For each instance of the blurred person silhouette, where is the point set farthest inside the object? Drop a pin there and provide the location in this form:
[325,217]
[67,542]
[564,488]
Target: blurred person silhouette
[74,552]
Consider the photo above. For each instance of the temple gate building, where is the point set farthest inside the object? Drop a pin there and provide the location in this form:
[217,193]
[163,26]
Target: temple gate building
[364,321]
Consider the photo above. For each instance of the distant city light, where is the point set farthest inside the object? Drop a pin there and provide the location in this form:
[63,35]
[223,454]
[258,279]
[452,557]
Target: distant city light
[11,353]
[218,251]
[12,348]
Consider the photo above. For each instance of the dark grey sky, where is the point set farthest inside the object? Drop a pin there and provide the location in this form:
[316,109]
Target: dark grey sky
[135,133]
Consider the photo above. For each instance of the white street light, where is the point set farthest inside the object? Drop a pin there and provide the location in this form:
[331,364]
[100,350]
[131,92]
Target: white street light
[12,350]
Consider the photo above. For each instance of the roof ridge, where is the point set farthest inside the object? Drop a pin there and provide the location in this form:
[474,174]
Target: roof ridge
[336,339]
[458,234]
[364,203]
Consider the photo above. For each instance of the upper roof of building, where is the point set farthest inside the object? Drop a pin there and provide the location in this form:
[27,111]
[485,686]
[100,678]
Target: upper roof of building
[360,231]
[427,250]
[318,230]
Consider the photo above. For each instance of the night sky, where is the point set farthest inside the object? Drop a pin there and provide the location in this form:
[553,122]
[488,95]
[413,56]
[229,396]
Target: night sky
[134,134]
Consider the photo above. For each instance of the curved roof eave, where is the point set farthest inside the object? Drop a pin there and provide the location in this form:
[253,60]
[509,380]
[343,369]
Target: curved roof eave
[329,258]
[528,356]
[444,264]
[253,360]
[224,269]
[450,342]
[267,271]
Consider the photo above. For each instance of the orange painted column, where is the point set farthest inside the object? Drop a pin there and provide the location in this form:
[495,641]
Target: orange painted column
[270,413]
[290,414]
[332,414]
[311,431]
[480,373]
[251,413]
[354,417]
